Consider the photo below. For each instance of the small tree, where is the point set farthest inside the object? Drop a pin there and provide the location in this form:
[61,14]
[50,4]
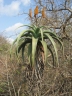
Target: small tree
[35,37]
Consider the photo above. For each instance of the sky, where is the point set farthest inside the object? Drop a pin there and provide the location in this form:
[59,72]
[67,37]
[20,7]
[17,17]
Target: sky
[11,17]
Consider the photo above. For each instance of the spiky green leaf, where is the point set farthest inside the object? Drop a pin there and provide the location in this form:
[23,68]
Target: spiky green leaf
[34,46]
[30,52]
[54,45]
[44,44]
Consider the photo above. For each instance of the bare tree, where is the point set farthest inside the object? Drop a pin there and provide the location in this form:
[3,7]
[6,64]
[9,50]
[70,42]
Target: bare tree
[58,14]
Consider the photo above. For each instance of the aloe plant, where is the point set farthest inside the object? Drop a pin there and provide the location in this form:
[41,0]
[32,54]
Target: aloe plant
[36,38]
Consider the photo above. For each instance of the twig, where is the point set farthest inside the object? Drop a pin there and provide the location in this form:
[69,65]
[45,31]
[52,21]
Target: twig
[19,90]
[8,76]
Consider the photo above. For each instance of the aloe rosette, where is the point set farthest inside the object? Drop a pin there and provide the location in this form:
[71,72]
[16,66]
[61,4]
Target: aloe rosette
[36,36]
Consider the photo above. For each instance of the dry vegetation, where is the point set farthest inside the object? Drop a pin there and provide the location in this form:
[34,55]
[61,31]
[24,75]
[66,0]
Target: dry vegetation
[15,78]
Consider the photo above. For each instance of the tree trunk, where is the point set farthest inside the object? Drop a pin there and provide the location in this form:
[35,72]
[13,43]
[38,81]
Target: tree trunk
[35,75]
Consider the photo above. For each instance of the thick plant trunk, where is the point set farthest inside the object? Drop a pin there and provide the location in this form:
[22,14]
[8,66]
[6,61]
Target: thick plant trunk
[35,75]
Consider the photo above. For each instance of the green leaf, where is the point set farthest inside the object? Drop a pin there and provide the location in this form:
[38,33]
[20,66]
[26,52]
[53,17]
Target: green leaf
[54,45]
[58,40]
[41,34]
[14,41]
[32,27]
[30,52]
[22,34]
[34,35]
[44,44]
[37,31]
[19,37]
[23,44]
[23,52]
[27,35]
[50,33]
[34,46]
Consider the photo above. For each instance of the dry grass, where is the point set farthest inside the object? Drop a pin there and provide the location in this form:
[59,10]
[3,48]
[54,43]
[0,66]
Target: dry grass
[55,82]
